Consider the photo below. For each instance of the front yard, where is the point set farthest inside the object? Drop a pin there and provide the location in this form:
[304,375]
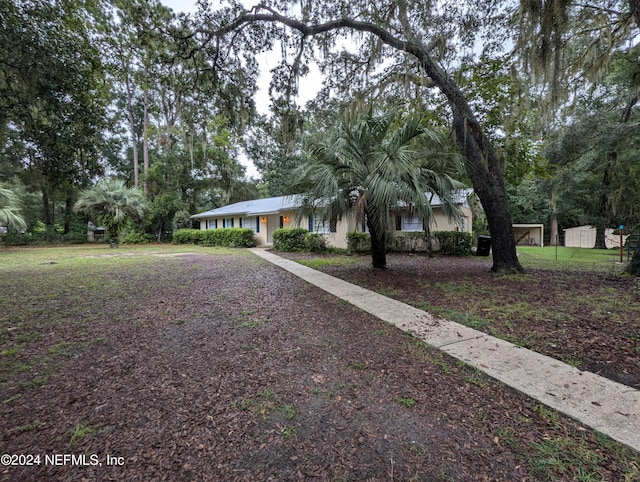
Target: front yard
[187,363]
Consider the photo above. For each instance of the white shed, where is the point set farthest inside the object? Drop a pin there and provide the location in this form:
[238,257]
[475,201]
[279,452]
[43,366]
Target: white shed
[585,237]
[529,234]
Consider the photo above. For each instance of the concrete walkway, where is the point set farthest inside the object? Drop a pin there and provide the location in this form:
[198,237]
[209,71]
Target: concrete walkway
[607,406]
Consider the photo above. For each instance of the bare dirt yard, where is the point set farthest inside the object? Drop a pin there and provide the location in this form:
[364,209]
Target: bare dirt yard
[217,366]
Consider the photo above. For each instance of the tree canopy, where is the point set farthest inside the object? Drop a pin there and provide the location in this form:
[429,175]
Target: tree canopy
[111,204]
[541,101]
[370,163]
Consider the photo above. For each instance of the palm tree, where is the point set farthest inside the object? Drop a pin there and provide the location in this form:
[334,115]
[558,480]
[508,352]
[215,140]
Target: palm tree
[111,204]
[371,164]
[10,210]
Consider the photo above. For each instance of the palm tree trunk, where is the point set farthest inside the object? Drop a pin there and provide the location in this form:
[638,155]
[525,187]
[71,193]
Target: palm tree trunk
[428,240]
[378,248]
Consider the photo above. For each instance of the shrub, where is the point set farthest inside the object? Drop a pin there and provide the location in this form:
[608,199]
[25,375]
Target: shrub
[136,237]
[413,241]
[229,237]
[74,237]
[454,243]
[358,242]
[187,236]
[290,239]
[17,239]
[315,243]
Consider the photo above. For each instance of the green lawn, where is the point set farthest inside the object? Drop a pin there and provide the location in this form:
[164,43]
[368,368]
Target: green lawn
[571,258]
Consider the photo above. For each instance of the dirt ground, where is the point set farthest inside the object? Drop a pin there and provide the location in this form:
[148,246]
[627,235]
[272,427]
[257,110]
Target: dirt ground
[588,319]
[225,368]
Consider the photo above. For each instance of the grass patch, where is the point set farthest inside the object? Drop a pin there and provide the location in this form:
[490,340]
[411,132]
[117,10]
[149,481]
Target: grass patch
[13,398]
[359,366]
[568,258]
[559,457]
[79,433]
[250,324]
[289,431]
[267,404]
[317,263]
[28,426]
[65,349]
[424,353]
[476,378]
[406,401]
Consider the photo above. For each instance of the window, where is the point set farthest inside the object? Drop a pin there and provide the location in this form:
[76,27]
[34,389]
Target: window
[212,224]
[318,225]
[411,223]
[227,223]
[250,223]
[365,225]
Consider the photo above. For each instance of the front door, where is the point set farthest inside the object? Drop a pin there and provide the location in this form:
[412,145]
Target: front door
[272,225]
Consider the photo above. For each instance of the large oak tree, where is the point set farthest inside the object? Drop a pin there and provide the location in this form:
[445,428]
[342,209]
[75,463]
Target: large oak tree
[407,32]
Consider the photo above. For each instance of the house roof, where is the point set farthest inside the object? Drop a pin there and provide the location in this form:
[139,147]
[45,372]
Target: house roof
[274,205]
[255,207]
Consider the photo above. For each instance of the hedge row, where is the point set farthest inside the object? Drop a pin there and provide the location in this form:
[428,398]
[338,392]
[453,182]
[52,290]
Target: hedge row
[298,239]
[452,243]
[229,237]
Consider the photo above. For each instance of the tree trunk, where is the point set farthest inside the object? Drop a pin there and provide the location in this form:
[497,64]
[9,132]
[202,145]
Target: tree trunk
[634,266]
[68,211]
[553,234]
[134,138]
[601,226]
[484,170]
[602,207]
[378,247]
[553,241]
[145,142]
[48,215]
[428,240]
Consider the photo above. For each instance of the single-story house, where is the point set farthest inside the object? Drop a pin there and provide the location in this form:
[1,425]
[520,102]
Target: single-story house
[529,234]
[585,237]
[264,216]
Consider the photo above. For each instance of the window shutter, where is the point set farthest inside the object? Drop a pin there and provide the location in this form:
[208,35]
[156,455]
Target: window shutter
[398,222]
[311,222]
[240,221]
[231,222]
[257,224]
[215,224]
